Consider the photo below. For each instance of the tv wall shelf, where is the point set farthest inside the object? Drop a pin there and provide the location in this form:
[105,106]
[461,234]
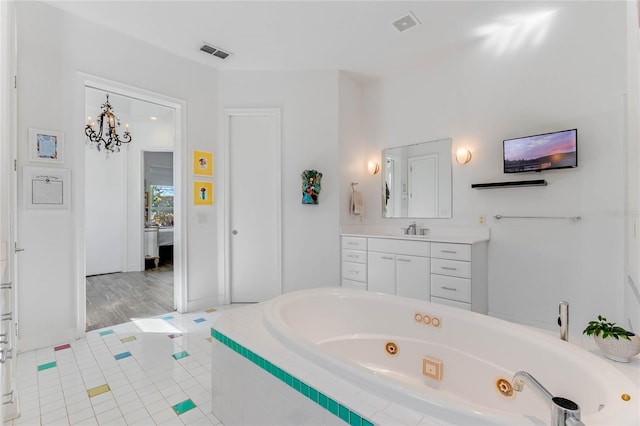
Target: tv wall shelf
[511,184]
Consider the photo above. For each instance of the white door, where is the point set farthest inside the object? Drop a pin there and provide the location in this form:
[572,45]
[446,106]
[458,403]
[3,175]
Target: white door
[8,203]
[423,186]
[253,138]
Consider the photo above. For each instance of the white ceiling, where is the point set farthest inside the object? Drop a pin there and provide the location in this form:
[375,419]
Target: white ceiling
[355,36]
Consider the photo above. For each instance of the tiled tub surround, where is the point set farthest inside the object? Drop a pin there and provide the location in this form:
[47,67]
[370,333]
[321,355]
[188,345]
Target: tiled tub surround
[334,341]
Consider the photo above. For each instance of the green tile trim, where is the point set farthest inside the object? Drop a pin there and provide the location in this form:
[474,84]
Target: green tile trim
[334,407]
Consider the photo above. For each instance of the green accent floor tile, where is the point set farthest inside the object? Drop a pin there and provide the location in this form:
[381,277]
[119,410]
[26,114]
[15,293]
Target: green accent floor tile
[47,366]
[106,332]
[128,339]
[210,310]
[180,355]
[209,339]
[184,406]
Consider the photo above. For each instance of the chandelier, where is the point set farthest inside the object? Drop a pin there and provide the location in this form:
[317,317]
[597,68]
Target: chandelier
[106,134]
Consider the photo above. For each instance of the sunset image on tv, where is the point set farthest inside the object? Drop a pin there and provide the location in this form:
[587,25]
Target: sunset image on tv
[541,152]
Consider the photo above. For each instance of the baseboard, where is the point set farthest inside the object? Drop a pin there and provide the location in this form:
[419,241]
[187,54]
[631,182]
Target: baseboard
[201,304]
[44,340]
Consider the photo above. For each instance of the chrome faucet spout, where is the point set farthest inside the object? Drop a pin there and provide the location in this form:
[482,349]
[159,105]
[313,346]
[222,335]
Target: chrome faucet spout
[564,412]
[522,377]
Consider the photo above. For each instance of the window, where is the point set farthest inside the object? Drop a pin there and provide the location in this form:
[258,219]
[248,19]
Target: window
[161,210]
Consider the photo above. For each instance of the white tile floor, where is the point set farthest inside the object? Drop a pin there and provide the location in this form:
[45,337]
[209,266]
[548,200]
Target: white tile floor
[158,372]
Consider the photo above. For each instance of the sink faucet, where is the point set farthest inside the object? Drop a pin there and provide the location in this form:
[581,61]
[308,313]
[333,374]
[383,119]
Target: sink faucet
[564,412]
[563,320]
[411,230]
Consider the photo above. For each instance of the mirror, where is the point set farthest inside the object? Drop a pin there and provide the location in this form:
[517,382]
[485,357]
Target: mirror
[416,180]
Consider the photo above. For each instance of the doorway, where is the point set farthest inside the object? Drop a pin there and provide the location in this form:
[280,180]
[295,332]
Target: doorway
[119,276]
[253,199]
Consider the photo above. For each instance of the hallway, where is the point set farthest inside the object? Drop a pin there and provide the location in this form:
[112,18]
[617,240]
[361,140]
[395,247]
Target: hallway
[117,298]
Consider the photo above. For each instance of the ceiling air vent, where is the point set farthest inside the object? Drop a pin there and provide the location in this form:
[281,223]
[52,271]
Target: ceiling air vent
[219,53]
[405,22]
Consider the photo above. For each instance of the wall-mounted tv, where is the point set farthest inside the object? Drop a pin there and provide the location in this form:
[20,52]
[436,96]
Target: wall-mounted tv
[557,150]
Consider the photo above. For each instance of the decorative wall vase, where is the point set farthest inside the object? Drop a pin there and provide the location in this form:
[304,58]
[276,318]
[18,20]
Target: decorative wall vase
[311,186]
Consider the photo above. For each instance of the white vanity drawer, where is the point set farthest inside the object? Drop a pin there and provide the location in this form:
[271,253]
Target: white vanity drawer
[356,256]
[354,271]
[451,251]
[451,288]
[454,303]
[389,245]
[354,243]
[454,268]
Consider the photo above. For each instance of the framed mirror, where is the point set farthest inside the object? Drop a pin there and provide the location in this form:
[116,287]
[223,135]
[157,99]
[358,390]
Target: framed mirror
[416,180]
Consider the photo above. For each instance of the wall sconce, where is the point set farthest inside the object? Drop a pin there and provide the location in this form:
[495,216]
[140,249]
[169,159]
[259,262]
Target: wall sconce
[373,167]
[463,156]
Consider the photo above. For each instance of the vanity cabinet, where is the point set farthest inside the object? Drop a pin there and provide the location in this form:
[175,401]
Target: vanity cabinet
[354,262]
[450,273]
[399,267]
[459,275]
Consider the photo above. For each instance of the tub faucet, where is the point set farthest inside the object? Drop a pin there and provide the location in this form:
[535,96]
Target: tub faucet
[563,320]
[564,412]
[411,230]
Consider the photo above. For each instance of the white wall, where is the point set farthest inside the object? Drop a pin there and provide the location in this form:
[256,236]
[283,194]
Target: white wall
[53,47]
[574,78]
[354,156]
[309,106]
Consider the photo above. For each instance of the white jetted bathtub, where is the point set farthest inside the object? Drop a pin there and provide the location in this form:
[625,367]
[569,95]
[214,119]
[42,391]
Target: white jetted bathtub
[455,365]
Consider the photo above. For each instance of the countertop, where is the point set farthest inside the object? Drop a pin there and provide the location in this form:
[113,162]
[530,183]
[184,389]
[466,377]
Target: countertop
[456,239]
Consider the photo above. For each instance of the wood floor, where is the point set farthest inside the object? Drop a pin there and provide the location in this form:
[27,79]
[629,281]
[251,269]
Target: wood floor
[116,298]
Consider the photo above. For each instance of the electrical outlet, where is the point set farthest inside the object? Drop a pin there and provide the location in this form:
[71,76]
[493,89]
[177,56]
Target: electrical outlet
[482,219]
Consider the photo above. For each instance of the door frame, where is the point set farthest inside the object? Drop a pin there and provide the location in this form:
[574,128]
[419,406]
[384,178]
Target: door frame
[180,288]
[224,221]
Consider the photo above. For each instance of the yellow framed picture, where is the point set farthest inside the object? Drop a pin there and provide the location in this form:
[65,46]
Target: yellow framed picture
[203,163]
[202,193]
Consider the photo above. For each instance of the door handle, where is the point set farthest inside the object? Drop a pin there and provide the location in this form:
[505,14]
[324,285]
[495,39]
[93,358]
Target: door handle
[234,232]
[16,250]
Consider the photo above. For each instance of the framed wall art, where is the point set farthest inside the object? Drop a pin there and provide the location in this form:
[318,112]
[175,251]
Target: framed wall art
[46,188]
[203,163]
[46,146]
[202,193]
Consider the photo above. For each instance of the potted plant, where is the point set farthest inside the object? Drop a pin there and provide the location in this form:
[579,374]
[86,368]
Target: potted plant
[615,342]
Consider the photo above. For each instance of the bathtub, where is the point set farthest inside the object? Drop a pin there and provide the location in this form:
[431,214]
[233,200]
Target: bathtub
[385,343]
